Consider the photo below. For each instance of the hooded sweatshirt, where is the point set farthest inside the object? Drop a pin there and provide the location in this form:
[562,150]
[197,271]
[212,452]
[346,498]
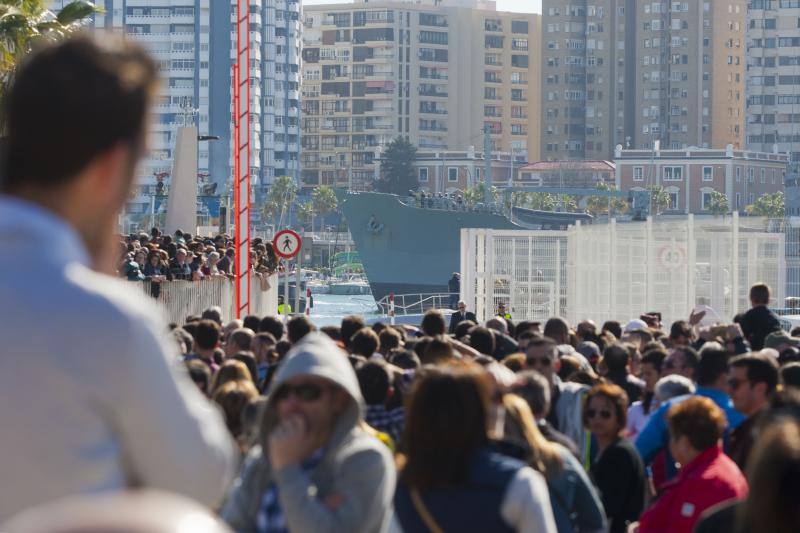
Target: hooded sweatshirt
[355,466]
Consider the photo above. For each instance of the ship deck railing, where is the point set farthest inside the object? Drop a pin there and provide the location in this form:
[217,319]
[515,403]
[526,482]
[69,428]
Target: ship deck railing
[416,304]
[441,203]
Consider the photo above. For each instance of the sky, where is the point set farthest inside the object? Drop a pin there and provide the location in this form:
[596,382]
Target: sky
[521,6]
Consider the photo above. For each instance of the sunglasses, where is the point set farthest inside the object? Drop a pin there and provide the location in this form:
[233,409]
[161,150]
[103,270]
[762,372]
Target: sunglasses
[544,361]
[593,413]
[305,392]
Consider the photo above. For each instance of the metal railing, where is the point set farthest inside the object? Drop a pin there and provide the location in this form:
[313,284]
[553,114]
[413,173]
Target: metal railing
[415,304]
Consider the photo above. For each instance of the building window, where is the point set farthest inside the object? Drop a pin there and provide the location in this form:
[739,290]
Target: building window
[763,176]
[638,173]
[708,173]
[751,175]
[452,173]
[738,174]
[423,175]
[738,200]
[673,173]
[706,200]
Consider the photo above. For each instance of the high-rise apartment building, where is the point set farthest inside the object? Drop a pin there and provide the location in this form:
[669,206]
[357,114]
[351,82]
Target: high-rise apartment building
[193,42]
[773,75]
[435,72]
[631,72]
[588,76]
[690,74]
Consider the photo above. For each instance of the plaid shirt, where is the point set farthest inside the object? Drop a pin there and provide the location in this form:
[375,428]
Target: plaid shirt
[270,517]
[390,422]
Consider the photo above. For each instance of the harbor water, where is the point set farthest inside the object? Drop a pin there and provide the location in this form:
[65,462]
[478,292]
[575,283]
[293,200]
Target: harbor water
[329,309]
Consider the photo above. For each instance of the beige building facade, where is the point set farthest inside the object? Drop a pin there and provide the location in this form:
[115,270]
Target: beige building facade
[438,73]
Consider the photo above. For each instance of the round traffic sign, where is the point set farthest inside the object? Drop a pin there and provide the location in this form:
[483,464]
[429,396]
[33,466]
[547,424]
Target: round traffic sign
[287,243]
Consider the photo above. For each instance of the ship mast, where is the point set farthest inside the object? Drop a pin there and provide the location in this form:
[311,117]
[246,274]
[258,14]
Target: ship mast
[487,161]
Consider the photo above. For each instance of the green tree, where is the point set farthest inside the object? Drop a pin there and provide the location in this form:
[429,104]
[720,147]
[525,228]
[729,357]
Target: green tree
[23,23]
[768,205]
[541,201]
[566,203]
[324,201]
[398,175]
[475,195]
[305,213]
[718,204]
[659,199]
[281,196]
[600,205]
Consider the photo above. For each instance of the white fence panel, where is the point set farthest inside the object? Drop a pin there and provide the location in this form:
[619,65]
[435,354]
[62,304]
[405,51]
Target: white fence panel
[179,299]
[619,271]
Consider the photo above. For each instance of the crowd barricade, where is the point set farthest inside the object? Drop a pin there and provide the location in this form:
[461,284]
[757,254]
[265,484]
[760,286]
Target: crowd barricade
[179,299]
[617,271]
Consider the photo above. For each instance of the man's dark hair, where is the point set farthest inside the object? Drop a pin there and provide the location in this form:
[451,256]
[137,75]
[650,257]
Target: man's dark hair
[272,325]
[282,348]
[654,357]
[759,294]
[212,313]
[613,327]
[373,379]
[405,359]
[377,327]
[616,357]
[298,327]
[680,328]
[333,332]
[760,369]
[251,321]
[482,339]
[207,334]
[555,328]
[524,326]
[433,323]
[790,375]
[350,324]
[389,339]
[266,338]
[200,374]
[713,363]
[364,342]
[463,327]
[100,89]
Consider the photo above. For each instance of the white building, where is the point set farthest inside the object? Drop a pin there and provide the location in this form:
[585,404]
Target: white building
[193,42]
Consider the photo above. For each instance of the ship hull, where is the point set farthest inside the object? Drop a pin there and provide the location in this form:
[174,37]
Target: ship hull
[406,249]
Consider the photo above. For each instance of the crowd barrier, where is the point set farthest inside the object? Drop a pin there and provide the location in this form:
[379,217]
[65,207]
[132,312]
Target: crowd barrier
[179,299]
[618,271]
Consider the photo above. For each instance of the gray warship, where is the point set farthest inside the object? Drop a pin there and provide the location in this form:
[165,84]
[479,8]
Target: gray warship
[410,245]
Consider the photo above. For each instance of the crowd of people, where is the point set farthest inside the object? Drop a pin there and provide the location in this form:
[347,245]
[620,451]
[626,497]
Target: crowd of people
[114,422]
[157,257]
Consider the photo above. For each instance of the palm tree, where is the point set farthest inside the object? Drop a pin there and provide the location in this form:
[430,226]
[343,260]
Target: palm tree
[23,23]
[659,199]
[475,195]
[305,213]
[281,196]
[324,201]
[600,205]
[768,205]
[542,201]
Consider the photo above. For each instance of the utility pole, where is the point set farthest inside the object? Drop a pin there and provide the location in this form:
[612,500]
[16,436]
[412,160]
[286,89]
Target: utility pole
[487,161]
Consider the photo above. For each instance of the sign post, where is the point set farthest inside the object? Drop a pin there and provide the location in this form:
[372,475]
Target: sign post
[287,244]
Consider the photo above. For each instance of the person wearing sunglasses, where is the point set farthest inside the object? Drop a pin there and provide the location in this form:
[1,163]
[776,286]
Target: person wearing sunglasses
[617,470]
[314,467]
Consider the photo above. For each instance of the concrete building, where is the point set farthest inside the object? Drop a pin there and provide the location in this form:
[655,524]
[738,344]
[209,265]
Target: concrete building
[193,43]
[435,72]
[773,75]
[691,175]
[587,85]
[690,74]
[630,72]
[453,170]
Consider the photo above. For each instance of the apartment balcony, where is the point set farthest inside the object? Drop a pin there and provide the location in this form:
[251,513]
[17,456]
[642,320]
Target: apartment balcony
[433,93]
[432,128]
[433,111]
[374,75]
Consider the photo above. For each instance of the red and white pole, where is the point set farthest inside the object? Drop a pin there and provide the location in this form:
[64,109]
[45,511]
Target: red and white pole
[391,308]
[241,159]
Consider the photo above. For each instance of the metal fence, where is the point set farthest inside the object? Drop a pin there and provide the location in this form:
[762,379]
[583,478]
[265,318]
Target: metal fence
[179,299]
[619,271]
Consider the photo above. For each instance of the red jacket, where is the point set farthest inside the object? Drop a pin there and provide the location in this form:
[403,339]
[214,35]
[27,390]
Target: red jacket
[711,478]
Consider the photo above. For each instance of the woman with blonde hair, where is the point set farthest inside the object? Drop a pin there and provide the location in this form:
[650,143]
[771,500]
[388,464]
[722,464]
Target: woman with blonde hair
[231,370]
[575,502]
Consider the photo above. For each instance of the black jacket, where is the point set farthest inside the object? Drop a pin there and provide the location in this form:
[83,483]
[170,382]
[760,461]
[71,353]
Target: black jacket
[757,323]
[459,317]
